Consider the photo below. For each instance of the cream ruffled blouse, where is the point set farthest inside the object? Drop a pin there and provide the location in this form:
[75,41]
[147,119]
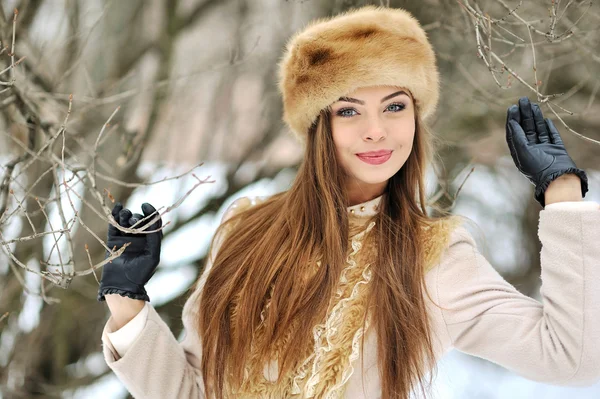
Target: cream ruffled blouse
[328,364]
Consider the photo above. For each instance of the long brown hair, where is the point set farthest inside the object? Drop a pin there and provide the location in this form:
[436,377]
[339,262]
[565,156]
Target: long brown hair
[288,231]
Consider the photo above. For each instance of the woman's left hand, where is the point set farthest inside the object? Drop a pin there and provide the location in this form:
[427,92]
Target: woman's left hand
[537,148]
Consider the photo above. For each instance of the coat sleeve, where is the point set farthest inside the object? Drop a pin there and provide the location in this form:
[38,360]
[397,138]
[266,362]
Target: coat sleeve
[123,338]
[555,341]
[155,364]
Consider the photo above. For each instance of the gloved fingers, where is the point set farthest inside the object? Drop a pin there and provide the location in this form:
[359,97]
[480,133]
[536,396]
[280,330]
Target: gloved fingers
[540,124]
[124,216]
[148,210]
[154,242]
[112,230]
[513,113]
[116,209]
[527,120]
[554,135]
[136,217]
[516,138]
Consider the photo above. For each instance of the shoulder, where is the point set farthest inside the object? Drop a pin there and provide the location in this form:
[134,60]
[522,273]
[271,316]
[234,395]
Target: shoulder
[441,238]
[223,230]
[242,204]
[461,246]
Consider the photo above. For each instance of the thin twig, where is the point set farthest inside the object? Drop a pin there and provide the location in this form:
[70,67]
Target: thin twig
[12,52]
[581,136]
[31,237]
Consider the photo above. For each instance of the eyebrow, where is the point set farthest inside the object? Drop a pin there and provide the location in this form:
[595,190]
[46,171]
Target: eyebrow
[357,101]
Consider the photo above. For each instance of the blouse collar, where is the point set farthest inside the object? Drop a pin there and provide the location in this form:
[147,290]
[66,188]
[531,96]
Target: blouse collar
[368,208]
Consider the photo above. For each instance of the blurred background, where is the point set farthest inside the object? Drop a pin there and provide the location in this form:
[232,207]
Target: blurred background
[174,102]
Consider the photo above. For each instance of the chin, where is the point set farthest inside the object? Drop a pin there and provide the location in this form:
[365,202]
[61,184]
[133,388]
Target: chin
[372,174]
[374,178]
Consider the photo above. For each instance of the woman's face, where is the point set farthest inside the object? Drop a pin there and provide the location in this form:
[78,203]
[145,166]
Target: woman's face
[378,118]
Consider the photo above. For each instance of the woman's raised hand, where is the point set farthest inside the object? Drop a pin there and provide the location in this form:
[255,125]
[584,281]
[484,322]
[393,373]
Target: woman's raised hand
[537,148]
[127,274]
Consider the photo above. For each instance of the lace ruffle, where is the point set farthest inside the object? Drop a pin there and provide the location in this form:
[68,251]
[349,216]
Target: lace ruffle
[324,333]
[330,347]
[106,291]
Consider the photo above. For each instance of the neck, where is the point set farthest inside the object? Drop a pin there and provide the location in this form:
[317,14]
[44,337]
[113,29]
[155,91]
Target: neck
[362,192]
[360,197]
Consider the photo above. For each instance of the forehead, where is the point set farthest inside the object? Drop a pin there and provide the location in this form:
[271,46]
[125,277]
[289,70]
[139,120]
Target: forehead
[376,91]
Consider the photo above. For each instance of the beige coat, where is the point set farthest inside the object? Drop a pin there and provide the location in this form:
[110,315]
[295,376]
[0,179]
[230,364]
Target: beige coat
[555,341]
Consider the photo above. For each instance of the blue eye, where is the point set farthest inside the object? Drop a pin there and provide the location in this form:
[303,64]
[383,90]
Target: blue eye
[343,114]
[400,105]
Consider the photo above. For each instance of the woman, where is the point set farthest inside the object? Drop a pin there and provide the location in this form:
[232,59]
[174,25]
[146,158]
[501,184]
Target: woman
[343,286]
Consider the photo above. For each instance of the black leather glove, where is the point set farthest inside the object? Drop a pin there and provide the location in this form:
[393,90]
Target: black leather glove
[127,274]
[537,149]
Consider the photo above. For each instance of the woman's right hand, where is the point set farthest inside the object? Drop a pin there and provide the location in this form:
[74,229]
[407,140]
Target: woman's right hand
[127,274]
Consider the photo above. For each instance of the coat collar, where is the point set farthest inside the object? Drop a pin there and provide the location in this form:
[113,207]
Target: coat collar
[367,208]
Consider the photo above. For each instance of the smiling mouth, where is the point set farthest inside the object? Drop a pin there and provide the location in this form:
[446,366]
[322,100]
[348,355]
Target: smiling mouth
[375,160]
[372,154]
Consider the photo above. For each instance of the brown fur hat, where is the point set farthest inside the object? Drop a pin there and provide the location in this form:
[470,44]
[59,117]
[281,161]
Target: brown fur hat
[367,46]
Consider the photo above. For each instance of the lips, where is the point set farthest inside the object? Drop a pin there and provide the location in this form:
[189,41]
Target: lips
[377,159]
[379,153]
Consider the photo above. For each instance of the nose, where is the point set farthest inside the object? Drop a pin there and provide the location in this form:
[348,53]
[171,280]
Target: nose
[375,130]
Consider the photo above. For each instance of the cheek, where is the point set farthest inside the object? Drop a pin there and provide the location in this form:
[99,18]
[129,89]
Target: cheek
[405,132]
[410,137]
[342,138]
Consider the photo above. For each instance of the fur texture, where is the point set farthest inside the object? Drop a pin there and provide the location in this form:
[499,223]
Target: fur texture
[367,46]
